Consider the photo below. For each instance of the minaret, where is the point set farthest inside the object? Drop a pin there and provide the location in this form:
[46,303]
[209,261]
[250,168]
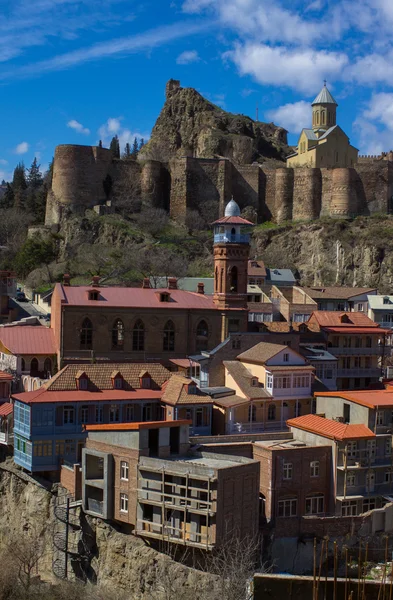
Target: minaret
[324,110]
[231,251]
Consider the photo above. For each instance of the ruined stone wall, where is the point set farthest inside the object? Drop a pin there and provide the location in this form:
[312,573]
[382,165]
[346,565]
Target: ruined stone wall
[269,176]
[78,175]
[248,186]
[375,185]
[284,194]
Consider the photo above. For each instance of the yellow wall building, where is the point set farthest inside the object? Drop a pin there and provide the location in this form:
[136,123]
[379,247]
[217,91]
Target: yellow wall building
[326,144]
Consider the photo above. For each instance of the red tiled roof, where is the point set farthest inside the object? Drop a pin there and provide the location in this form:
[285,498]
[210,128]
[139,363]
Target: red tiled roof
[369,398]
[233,220]
[5,376]
[136,426]
[332,318]
[28,339]
[136,298]
[43,395]
[332,430]
[6,409]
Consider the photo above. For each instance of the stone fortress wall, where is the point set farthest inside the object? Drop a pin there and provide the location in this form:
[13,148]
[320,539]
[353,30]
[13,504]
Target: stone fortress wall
[85,176]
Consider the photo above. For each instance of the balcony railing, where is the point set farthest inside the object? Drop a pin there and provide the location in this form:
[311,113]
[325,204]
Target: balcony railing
[95,506]
[358,372]
[255,427]
[179,534]
[239,238]
[340,351]
[6,438]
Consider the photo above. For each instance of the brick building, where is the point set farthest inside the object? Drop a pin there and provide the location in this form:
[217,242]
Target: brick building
[129,324]
[295,479]
[292,303]
[357,342]
[142,476]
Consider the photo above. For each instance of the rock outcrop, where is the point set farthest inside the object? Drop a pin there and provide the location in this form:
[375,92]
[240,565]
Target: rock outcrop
[190,125]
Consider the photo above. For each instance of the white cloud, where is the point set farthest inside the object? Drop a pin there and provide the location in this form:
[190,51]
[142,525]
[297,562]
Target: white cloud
[292,117]
[78,127]
[114,127]
[187,57]
[373,68]
[127,45]
[302,69]
[22,148]
[375,124]
[3,161]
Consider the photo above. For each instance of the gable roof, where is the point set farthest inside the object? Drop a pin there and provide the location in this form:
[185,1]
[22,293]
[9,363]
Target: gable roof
[262,352]
[28,339]
[256,268]
[175,392]
[6,409]
[243,379]
[377,302]
[332,430]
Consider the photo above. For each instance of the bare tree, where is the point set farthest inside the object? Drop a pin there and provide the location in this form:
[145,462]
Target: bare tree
[158,262]
[153,220]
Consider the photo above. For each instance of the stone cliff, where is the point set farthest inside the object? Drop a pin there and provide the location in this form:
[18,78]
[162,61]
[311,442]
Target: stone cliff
[190,125]
[330,252]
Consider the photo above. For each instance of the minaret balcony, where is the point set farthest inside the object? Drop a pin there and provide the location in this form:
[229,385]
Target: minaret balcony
[232,238]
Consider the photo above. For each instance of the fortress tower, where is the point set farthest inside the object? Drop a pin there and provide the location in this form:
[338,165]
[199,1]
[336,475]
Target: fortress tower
[231,252]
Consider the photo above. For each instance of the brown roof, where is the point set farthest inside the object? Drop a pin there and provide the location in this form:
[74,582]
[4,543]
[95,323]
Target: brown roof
[100,376]
[332,318]
[262,352]
[230,401]
[183,362]
[336,292]
[256,268]
[6,409]
[260,306]
[330,429]
[136,426]
[28,339]
[175,392]
[243,378]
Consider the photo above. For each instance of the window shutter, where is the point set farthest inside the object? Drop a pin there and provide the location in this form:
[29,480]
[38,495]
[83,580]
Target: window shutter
[59,415]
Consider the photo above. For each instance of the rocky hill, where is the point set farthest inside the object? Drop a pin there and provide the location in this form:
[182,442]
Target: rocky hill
[191,125]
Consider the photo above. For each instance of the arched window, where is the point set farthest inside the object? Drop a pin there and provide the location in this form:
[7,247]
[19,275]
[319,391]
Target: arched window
[48,367]
[202,334]
[86,335]
[221,280]
[233,234]
[118,334]
[34,367]
[317,115]
[271,412]
[323,118]
[233,279]
[169,337]
[216,280]
[138,336]
[252,413]
[23,365]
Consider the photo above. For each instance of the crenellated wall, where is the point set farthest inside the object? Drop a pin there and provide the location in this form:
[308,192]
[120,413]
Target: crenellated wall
[81,175]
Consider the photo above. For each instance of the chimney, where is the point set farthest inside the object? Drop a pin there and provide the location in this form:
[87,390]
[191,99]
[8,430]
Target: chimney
[201,288]
[96,281]
[172,283]
[66,279]
[146,283]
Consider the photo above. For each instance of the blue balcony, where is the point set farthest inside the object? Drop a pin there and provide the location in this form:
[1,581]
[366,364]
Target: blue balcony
[227,238]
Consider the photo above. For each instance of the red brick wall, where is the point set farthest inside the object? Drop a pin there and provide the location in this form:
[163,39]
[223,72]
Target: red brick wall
[71,480]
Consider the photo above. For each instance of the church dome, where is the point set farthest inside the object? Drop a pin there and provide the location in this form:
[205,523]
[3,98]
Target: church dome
[232,209]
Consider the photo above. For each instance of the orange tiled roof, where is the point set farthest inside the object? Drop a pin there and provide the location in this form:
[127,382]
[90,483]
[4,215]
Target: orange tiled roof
[331,318]
[6,409]
[136,426]
[369,398]
[28,339]
[332,430]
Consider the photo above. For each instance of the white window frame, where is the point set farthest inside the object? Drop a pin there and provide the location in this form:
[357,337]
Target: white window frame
[289,505]
[99,413]
[388,446]
[68,415]
[84,414]
[388,477]
[287,470]
[371,448]
[380,415]
[123,503]
[286,357]
[314,468]
[269,381]
[317,503]
[124,470]
[351,479]
[349,508]
[352,449]
[114,413]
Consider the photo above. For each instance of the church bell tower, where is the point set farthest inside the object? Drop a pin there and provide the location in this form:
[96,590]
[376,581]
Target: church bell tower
[231,251]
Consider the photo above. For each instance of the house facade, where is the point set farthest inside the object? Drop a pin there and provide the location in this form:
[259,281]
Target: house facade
[357,342]
[341,298]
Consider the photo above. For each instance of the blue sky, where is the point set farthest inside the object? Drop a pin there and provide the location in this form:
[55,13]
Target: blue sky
[75,71]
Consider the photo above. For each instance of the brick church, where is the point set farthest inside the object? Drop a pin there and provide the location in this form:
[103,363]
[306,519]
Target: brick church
[138,324]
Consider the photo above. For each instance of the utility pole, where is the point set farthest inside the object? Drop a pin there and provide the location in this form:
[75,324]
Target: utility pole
[257,112]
